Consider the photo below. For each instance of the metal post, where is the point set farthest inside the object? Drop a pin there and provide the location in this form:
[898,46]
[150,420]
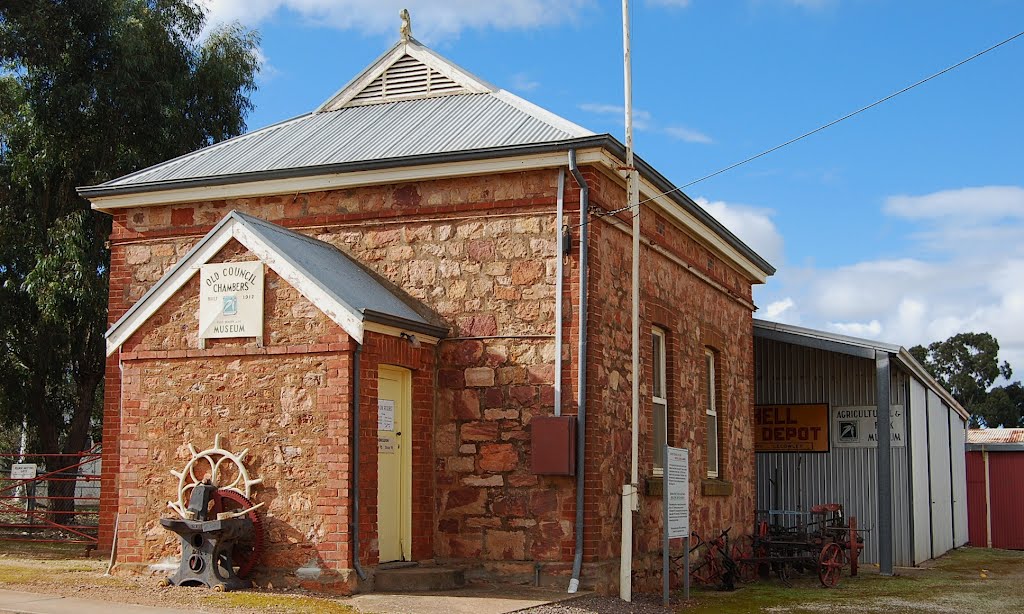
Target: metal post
[884,463]
[686,568]
[664,520]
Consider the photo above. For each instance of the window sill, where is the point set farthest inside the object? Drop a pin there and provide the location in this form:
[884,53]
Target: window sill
[715,487]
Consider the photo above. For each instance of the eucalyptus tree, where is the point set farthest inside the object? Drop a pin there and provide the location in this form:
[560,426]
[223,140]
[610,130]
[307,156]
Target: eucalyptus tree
[90,90]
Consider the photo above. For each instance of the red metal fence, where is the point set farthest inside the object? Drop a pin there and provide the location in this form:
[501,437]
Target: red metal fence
[59,504]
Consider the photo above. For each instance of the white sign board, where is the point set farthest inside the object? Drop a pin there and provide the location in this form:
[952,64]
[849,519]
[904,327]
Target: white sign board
[231,300]
[385,415]
[23,471]
[857,427]
[677,491]
[387,443]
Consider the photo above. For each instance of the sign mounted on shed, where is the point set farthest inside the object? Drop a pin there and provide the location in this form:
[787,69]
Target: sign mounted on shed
[791,428]
[857,427]
[231,300]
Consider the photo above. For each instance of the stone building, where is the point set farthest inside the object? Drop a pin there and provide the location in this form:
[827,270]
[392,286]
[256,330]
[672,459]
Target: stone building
[412,263]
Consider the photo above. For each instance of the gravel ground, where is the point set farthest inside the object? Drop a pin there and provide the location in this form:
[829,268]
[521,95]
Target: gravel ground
[598,604]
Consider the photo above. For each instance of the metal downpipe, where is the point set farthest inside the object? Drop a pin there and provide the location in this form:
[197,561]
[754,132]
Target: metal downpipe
[581,366]
[355,462]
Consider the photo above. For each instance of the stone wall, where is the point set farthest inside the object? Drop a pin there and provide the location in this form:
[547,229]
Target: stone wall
[694,313]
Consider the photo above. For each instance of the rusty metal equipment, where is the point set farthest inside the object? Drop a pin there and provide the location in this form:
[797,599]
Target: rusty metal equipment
[221,533]
[787,542]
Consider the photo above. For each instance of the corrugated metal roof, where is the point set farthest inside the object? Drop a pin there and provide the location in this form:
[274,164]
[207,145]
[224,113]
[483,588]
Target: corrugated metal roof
[995,436]
[435,125]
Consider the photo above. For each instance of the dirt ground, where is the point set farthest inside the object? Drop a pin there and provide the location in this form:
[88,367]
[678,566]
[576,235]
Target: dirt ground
[966,581]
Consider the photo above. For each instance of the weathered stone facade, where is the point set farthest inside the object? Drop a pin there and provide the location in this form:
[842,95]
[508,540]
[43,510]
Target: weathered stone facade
[481,252]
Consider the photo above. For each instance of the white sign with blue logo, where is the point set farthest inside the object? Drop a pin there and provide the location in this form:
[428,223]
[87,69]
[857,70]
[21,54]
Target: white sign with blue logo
[231,300]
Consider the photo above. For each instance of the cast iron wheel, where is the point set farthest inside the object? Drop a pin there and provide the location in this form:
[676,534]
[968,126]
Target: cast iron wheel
[246,555]
[830,565]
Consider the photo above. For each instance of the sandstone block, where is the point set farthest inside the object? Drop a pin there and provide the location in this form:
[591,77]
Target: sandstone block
[479,431]
[498,457]
[489,481]
[505,545]
[480,376]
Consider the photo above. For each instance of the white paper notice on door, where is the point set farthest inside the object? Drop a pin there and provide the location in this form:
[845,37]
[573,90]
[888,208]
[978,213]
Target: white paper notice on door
[385,415]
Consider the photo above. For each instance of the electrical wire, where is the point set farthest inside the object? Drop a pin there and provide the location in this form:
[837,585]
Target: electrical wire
[807,134]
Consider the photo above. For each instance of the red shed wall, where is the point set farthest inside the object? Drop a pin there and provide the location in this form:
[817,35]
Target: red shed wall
[977,509]
[1006,475]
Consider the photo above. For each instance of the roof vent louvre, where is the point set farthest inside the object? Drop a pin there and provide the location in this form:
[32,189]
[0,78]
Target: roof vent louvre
[407,78]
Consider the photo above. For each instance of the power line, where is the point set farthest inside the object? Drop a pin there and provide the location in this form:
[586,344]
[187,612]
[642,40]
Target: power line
[812,132]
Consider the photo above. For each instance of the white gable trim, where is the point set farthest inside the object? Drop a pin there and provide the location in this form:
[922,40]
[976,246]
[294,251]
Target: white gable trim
[232,227]
[412,48]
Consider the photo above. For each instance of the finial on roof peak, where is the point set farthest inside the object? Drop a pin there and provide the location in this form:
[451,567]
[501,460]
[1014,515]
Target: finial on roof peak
[406,29]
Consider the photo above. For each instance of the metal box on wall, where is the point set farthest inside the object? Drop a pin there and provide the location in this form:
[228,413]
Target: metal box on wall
[553,445]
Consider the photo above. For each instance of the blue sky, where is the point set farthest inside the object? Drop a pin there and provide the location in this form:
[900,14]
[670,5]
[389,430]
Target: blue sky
[904,224]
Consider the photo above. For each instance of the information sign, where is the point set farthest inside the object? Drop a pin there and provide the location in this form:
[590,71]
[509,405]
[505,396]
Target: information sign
[677,491]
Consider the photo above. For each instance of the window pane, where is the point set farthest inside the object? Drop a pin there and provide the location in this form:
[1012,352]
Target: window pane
[712,445]
[659,435]
[658,363]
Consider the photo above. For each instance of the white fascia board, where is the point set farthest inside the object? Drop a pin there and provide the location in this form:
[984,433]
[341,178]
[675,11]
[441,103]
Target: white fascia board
[448,68]
[166,287]
[394,331]
[340,313]
[317,183]
[688,222]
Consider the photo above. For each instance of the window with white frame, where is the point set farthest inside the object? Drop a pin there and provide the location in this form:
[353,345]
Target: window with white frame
[712,414]
[659,399]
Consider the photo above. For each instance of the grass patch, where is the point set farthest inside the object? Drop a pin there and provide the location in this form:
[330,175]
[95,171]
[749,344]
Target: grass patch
[967,580]
[276,603]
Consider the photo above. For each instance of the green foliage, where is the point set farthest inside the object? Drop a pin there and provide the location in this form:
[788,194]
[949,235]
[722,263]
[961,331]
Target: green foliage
[967,364]
[90,90]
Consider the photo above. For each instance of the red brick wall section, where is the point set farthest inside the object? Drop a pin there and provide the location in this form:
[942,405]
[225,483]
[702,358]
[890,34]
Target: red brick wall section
[287,402]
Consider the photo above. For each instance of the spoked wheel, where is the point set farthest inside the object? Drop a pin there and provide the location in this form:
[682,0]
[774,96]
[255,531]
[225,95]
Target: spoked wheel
[245,555]
[743,555]
[830,565]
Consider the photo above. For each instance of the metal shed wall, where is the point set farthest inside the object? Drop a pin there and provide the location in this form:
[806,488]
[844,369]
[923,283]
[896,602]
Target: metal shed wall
[920,483]
[786,373]
[940,470]
[957,446]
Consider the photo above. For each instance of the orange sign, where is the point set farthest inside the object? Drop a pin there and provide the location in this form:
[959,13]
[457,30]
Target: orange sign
[791,428]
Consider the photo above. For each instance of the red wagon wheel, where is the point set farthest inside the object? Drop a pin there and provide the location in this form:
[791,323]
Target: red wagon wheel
[743,554]
[830,564]
[246,554]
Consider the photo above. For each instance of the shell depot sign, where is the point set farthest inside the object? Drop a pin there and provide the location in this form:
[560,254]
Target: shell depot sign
[791,428]
[231,300]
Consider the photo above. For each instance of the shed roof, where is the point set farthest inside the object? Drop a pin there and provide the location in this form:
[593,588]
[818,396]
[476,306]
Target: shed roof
[337,284]
[995,439]
[854,346]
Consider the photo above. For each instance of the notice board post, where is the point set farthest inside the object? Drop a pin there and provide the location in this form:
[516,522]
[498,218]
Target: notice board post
[676,512]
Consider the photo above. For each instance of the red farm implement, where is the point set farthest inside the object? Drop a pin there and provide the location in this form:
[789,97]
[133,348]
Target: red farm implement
[50,497]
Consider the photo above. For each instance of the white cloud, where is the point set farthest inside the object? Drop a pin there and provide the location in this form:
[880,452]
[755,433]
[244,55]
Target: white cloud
[752,225]
[966,274]
[869,330]
[690,136]
[644,121]
[431,19]
[267,70]
[777,311]
[972,204]
[641,118]
[523,83]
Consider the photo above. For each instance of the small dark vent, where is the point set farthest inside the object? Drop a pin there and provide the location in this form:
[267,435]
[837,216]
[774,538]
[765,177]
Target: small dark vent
[407,78]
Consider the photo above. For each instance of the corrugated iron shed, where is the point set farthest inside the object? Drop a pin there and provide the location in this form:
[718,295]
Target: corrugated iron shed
[995,437]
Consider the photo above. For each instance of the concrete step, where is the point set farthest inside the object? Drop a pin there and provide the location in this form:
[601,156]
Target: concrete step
[417,579]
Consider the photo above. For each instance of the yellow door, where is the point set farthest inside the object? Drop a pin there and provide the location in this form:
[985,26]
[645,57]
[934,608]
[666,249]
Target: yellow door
[394,463]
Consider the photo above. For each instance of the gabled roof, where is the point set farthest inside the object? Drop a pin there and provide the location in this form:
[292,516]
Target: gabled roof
[410,102]
[338,285]
[996,437]
[854,346]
